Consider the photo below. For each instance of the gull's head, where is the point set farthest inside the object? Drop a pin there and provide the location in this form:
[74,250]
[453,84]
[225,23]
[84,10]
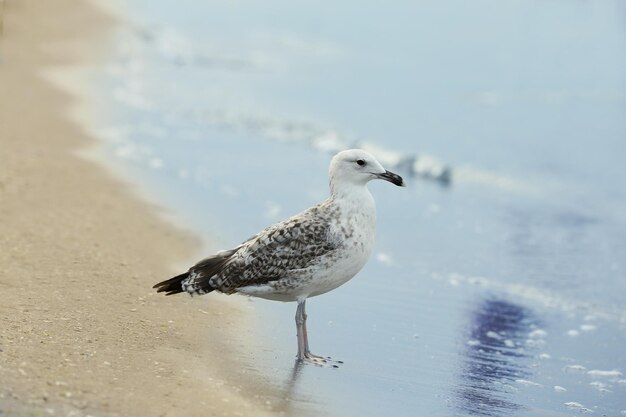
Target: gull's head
[357,167]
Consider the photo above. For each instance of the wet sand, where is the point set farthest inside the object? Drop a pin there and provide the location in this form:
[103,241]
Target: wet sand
[82,331]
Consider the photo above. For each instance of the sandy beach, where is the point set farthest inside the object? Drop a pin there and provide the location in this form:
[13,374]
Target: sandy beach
[82,331]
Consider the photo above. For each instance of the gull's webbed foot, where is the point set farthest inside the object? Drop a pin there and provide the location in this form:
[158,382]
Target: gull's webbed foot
[324,361]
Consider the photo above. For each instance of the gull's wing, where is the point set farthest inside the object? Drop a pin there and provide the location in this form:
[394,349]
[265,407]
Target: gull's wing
[296,243]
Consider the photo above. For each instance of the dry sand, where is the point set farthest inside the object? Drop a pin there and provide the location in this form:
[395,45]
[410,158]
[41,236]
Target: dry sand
[82,332]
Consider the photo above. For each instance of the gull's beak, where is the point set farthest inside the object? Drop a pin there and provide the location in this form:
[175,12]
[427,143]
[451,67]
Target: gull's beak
[392,178]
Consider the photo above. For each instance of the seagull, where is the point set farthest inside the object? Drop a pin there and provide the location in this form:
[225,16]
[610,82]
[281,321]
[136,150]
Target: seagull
[306,255]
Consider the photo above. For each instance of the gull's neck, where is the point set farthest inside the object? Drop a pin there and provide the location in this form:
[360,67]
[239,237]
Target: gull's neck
[352,194]
[356,211]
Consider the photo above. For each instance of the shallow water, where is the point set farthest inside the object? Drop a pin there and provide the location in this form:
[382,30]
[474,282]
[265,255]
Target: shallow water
[498,293]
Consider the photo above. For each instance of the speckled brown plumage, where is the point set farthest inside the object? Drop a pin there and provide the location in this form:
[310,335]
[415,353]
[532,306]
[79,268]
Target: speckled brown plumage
[295,244]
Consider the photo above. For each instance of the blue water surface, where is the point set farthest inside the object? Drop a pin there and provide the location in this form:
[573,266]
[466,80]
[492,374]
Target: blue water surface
[500,292]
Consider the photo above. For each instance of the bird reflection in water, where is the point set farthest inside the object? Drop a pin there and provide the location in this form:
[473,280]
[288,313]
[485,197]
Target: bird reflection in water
[494,358]
[289,403]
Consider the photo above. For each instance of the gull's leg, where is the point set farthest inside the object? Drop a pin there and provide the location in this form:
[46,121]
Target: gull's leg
[300,330]
[304,353]
[307,351]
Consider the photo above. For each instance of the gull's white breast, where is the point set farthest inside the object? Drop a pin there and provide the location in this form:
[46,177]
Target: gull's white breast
[356,230]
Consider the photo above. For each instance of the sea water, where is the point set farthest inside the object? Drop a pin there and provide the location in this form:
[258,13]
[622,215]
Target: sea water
[497,285]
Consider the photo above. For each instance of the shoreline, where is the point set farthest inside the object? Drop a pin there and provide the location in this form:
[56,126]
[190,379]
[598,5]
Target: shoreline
[83,332]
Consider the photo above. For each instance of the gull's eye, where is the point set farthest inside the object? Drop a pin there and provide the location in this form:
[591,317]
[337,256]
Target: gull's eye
[360,162]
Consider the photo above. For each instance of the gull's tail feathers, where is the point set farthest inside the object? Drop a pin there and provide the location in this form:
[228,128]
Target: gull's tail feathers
[172,285]
[196,281]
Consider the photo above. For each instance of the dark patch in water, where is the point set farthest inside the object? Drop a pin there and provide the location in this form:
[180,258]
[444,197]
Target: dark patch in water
[492,361]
